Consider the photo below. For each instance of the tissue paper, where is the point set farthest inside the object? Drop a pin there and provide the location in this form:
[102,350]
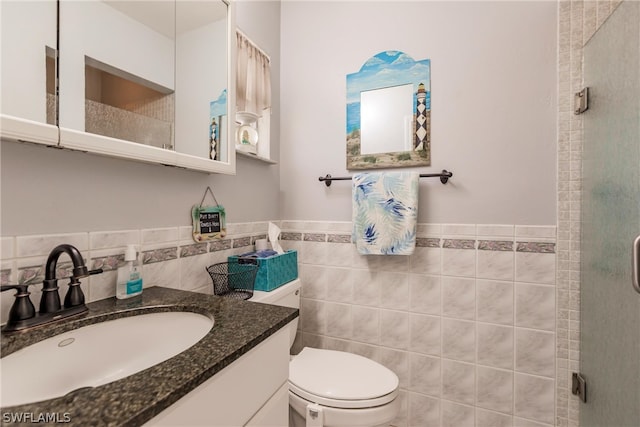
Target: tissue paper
[274,235]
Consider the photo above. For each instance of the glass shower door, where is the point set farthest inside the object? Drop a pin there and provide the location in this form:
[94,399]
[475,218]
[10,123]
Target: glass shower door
[610,306]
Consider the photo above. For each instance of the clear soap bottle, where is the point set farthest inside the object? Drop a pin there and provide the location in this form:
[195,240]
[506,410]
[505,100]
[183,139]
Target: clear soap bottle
[129,282]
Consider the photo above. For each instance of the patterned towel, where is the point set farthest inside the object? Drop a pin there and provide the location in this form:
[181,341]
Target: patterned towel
[385,212]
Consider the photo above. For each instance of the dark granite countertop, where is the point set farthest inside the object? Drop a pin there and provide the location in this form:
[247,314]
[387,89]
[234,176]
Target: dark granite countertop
[238,327]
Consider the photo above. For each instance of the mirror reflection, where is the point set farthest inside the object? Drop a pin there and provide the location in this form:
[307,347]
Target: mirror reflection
[389,113]
[201,78]
[146,72]
[27,64]
[385,119]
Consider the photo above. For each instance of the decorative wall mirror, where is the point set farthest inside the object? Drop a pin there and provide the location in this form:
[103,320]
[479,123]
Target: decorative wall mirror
[389,113]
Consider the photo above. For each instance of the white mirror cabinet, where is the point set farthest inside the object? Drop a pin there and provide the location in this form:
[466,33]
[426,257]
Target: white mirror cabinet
[143,80]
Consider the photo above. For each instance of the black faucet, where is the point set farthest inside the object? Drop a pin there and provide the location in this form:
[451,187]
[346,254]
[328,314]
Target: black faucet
[22,314]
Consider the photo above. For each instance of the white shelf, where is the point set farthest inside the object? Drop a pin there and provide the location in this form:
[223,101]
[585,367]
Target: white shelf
[256,157]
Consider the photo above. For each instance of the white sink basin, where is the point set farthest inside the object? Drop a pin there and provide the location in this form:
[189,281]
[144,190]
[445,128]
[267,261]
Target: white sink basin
[97,354]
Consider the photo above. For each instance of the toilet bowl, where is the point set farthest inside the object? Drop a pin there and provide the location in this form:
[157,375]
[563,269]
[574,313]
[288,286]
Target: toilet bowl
[334,388]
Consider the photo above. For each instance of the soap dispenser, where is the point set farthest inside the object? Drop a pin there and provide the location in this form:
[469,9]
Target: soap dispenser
[129,282]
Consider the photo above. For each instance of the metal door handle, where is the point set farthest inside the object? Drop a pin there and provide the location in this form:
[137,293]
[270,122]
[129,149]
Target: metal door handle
[636,264]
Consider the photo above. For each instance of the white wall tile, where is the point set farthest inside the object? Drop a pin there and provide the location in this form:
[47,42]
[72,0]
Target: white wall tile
[394,329]
[339,284]
[152,236]
[535,352]
[456,415]
[498,265]
[429,230]
[424,334]
[390,263]
[495,389]
[314,253]
[459,262]
[312,316]
[366,288]
[425,293]
[542,232]
[395,295]
[314,283]
[424,374]
[397,361]
[458,381]
[458,339]
[340,254]
[485,418]
[535,267]
[535,306]
[495,345]
[424,411]
[41,245]
[165,274]
[459,297]
[113,239]
[534,398]
[102,286]
[193,272]
[338,320]
[521,422]
[426,260]
[495,301]
[459,230]
[366,324]
[495,230]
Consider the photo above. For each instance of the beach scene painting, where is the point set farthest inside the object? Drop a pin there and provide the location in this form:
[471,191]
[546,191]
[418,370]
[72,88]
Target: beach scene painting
[399,123]
[217,115]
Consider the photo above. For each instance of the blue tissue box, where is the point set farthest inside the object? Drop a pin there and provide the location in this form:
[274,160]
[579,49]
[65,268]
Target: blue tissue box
[274,271]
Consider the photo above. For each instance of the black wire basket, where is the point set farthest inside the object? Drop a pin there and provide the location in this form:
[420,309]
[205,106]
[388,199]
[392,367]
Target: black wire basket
[233,279]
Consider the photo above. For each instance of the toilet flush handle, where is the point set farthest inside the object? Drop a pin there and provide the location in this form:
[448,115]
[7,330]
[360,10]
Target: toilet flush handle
[314,417]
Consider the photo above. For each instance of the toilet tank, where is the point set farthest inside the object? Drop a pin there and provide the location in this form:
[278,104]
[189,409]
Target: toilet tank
[287,295]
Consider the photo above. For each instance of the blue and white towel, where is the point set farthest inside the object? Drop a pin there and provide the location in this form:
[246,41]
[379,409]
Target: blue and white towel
[385,212]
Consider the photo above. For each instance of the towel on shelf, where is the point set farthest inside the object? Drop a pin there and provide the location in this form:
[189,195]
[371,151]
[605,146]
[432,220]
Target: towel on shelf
[385,212]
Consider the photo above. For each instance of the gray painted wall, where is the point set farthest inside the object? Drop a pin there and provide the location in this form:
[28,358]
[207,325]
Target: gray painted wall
[493,100]
[45,190]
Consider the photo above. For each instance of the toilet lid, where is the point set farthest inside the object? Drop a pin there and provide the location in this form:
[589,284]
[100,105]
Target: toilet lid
[340,379]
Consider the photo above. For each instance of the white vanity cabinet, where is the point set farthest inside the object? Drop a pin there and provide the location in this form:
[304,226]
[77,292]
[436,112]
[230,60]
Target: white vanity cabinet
[252,391]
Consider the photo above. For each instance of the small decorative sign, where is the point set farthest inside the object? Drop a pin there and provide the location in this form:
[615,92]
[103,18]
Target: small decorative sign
[209,222]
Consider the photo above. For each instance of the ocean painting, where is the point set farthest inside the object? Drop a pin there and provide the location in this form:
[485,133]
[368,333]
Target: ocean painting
[384,70]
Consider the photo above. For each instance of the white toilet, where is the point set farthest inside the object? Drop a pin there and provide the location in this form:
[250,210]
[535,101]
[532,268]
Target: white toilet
[334,388]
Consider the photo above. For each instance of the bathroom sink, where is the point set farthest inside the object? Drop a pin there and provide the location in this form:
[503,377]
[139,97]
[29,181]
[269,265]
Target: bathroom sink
[97,354]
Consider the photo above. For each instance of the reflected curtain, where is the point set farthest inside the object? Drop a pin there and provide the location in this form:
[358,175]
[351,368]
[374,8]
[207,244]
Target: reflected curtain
[253,84]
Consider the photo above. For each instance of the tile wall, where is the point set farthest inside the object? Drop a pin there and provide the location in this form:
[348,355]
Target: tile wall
[169,256]
[578,20]
[467,322]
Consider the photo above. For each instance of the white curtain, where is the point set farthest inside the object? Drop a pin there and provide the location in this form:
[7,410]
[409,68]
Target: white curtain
[253,84]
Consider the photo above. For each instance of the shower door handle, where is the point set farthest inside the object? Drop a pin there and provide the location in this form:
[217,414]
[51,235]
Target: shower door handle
[636,264]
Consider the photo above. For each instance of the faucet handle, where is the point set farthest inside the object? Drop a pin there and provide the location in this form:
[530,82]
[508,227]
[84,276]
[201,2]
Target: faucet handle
[75,296]
[22,307]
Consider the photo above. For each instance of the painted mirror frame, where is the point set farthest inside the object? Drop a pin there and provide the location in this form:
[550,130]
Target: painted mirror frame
[394,72]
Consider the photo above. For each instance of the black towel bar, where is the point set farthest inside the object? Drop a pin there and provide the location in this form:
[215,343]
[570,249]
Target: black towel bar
[444,177]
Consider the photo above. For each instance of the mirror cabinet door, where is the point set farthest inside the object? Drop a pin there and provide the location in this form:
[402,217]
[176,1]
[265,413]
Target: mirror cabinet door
[117,71]
[28,106]
[146,80]
[201,79]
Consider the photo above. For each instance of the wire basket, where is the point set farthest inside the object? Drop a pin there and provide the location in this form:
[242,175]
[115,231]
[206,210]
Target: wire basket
[233,279]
